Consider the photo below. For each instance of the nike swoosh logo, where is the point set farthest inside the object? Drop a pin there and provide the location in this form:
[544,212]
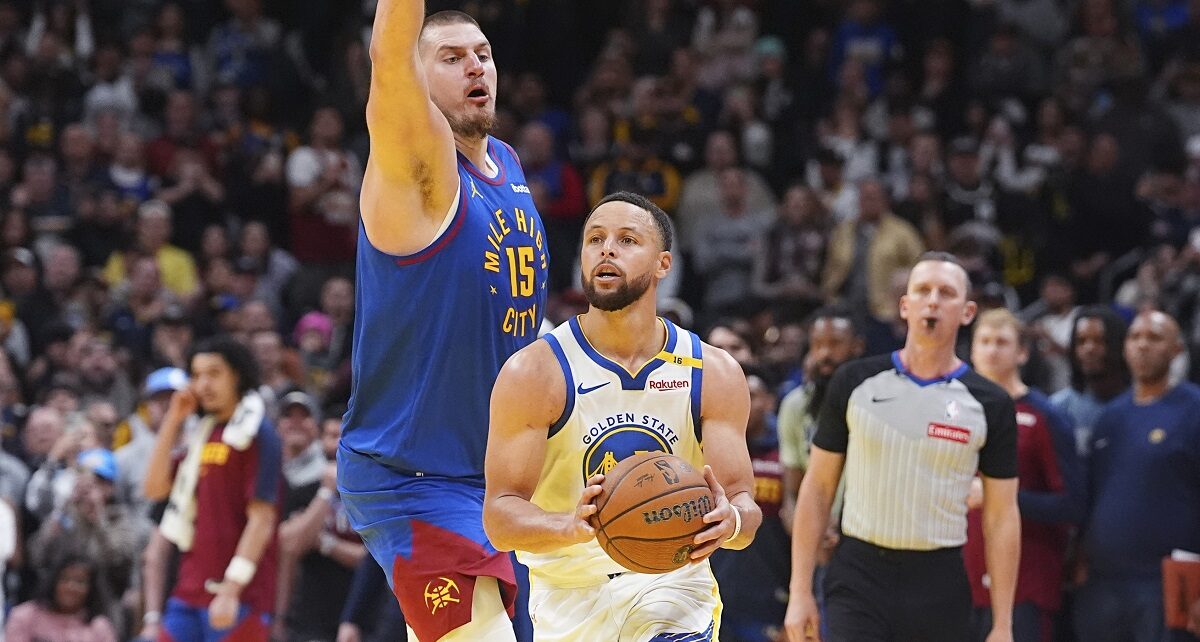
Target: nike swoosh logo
[881,399]
[583,391]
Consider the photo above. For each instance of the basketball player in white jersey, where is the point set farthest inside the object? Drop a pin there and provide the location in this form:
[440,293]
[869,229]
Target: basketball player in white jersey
[610,383]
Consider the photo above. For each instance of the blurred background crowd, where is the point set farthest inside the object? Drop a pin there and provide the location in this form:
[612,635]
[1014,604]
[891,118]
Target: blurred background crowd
[175,169]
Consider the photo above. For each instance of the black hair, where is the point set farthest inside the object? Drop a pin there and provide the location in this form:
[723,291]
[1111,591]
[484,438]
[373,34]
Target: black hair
[946,257]
[830,156]
[837,311]
[449,17]
[1114,343]
[235,354]
[95,604]
[661,220]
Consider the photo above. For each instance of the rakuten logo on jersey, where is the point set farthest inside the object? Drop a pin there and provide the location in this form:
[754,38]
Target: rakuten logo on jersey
[670,384]
[519,189]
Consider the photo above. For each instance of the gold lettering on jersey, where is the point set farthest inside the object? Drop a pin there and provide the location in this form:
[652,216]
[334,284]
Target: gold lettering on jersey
[214,453]
[491,261]
[520,323]
[504,229]
[521,220]
[494,237]
[520,260]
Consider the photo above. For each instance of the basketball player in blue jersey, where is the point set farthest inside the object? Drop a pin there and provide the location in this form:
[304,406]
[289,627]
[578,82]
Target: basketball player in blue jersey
[451,282]
[610,383]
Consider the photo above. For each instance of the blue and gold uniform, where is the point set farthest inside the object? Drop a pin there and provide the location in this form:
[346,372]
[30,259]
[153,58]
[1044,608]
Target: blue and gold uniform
[431,332]
[579,592]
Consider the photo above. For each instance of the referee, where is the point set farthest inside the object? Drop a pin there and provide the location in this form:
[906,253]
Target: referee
[910,430]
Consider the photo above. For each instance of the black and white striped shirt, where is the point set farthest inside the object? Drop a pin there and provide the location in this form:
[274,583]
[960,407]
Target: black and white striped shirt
[912,447]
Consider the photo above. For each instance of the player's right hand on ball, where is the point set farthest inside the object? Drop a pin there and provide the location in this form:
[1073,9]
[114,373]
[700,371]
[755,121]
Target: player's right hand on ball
[803,620]
[582,527]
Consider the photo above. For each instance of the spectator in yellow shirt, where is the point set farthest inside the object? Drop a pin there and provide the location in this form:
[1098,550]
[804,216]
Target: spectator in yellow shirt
[151,234]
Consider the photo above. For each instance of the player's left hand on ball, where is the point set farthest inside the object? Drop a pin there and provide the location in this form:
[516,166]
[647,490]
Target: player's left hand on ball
[722,520]
[583,524]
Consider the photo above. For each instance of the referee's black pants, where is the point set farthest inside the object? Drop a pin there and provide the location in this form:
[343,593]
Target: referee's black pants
[875,594]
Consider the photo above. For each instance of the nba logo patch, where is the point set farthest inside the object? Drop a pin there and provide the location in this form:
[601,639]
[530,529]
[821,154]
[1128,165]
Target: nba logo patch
[951,410]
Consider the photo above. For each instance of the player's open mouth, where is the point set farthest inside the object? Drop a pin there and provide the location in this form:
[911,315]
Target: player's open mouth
[930,322]
[606,274]
[478,95]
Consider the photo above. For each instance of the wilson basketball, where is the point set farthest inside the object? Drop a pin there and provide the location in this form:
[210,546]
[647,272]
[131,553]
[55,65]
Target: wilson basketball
[651,507]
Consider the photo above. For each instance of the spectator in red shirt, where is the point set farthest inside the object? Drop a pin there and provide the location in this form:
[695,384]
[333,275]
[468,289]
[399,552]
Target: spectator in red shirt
[181,133]
[1051,487]
[323,181]
[223,511]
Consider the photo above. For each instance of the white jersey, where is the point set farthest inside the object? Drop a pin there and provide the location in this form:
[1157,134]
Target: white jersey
[611,414]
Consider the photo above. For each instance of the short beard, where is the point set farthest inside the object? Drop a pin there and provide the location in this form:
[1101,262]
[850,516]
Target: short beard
[820,385]
[472,127]
[623,297]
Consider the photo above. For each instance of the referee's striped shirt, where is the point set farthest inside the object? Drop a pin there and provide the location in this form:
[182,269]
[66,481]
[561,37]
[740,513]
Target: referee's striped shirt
[912,447]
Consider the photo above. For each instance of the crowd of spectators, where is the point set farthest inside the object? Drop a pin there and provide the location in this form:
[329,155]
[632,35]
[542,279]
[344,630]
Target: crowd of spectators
[174,169]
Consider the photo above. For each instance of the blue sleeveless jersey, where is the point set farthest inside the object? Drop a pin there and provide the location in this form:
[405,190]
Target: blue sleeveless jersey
[432,329]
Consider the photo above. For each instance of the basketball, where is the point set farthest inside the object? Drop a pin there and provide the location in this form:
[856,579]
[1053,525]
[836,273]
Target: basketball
[650,508]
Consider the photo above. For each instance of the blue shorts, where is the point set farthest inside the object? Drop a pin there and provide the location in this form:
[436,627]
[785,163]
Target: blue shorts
[183,622]
[427,534]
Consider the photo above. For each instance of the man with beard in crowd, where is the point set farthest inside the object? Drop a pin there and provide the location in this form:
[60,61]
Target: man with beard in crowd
[833,339]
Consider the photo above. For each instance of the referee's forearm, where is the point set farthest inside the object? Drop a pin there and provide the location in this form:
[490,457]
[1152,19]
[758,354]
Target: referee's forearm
[1002,544]
[809,522]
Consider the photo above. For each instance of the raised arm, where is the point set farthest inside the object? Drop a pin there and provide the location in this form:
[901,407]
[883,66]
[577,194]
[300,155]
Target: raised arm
[515,454]
[159,470]
[411,175]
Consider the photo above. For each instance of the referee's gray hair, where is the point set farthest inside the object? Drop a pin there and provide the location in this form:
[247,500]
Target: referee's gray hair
[946,257]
